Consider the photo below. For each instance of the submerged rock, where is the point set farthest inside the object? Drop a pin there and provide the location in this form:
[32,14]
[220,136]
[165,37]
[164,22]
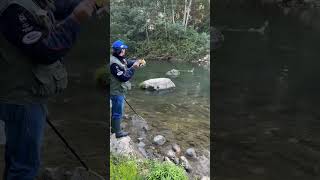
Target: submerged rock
[157,84]
[159,140]
[173,73]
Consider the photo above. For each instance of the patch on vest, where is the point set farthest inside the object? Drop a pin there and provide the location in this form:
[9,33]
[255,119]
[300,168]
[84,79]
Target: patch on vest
[32,37]
[119,73]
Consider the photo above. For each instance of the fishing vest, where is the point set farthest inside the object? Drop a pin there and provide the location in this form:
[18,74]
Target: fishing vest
[117,87]
[22,81]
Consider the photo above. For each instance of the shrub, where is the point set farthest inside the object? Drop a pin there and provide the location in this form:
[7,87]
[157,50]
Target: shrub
[122,168]
[166,171]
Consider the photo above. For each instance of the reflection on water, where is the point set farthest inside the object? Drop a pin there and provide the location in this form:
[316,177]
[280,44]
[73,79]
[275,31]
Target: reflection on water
[182,114]
[266,97]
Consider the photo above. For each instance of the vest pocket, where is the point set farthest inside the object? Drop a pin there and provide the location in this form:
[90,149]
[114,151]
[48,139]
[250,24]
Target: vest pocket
[50,79]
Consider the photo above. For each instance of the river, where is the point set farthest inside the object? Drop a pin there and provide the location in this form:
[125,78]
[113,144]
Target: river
[266,97]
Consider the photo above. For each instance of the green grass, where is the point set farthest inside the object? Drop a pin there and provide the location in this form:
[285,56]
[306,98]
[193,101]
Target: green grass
[128,168]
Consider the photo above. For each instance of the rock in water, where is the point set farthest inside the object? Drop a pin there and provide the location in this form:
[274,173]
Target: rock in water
[157,84]
[159,140]
[173,73]
[191,153]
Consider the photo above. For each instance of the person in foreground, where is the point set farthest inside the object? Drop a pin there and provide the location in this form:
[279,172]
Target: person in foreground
[122,70]
[35,35]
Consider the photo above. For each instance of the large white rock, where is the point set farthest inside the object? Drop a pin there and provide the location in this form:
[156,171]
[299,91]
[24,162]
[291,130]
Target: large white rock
[157,84]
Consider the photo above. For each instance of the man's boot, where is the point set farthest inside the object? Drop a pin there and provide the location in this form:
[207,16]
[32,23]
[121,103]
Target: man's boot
[117,129]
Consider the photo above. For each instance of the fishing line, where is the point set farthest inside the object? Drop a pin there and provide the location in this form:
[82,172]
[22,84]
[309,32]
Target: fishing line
[67,144]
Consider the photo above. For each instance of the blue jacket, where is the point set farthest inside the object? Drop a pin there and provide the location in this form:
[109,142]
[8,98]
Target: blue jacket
[17,25]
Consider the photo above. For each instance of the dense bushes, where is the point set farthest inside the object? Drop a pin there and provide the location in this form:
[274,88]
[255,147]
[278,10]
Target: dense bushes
[152,33]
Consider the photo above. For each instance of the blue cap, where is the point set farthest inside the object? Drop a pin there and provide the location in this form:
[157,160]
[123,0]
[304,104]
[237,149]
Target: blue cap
[119,45]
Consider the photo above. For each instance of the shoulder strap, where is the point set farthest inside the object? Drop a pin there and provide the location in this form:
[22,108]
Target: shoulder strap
[114,60]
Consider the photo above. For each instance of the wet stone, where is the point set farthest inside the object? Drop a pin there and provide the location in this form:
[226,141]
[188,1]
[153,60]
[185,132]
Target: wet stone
[176,148]
[185,163]
[171,154]
[159,140]
[191,153]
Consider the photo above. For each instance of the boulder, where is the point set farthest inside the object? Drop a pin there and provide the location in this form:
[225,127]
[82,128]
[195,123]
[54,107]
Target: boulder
[159,140]
[173,73]
[123,146]
[157,84]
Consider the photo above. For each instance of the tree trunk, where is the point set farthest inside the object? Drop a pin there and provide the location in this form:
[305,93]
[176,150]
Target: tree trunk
[188,14]
[185,11]
[165,21]
[173,13]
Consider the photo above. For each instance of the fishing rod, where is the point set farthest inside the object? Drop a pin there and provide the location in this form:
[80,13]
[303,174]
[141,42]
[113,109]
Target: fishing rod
[67,144]
[132,108]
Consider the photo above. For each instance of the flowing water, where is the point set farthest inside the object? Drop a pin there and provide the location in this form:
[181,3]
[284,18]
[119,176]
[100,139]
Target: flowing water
[181,115]
[266,97]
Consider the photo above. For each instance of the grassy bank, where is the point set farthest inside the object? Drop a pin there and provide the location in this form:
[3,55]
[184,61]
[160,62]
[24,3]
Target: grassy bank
[129,168]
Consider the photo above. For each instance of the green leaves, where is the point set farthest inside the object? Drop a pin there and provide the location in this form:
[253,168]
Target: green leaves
[147,27]
[128,168]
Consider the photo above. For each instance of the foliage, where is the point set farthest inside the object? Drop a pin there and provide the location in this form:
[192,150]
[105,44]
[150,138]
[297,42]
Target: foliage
[129,168]
[166,171]
[158,29]
[122,168]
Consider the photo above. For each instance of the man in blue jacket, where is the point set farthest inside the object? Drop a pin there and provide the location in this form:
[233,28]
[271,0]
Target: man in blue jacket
[122,70]
[35,35]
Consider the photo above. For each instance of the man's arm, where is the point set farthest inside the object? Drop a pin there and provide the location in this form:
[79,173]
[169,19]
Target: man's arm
[120,73]
[20,28]
[130,62]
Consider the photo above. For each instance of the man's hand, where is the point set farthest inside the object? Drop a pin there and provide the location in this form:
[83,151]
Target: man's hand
[136,65]
[84,10]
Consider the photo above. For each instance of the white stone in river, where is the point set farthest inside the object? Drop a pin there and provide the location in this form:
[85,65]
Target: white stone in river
[205,178]
[159,140]
[173,73]
[157,84]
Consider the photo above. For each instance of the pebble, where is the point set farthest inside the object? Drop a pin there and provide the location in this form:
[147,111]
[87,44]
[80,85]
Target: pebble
[205,178]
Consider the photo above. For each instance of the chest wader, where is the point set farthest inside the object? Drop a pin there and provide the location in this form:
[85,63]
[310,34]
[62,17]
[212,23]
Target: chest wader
[118,88]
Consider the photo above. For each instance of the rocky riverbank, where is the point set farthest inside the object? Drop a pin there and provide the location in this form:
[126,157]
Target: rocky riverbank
[143,145]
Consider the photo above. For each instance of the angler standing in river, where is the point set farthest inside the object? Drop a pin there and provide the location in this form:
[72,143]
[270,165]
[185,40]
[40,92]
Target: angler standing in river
[35,35]
[122,71]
